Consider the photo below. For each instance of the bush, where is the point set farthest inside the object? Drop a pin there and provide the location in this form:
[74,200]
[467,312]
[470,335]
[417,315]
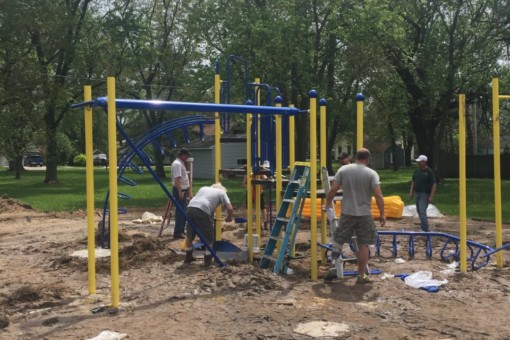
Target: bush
[80,160]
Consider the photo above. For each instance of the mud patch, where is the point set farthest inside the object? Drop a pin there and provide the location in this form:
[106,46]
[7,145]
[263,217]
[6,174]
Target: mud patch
[142,249]
[34,297]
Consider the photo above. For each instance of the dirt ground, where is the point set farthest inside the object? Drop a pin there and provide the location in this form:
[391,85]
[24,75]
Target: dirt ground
[44,291]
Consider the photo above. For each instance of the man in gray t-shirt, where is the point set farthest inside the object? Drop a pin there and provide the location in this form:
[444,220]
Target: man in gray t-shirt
[200,211]
[358,182]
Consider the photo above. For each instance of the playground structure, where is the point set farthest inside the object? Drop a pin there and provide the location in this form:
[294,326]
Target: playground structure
[260,147]
[111,104]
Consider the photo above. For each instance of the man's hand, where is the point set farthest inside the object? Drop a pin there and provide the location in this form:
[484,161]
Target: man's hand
[383,220]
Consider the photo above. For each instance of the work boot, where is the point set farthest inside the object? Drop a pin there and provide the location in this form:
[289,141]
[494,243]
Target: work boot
[208,260]
[189,256]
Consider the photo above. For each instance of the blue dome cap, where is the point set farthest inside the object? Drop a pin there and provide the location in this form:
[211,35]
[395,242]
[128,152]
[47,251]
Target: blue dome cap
[360,97]
[312,94]
[322,102]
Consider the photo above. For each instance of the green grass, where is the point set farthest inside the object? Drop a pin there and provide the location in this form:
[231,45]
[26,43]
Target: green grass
[69,194]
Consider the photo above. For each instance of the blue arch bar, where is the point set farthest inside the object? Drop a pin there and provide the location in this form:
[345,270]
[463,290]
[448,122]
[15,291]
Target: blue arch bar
[189,106]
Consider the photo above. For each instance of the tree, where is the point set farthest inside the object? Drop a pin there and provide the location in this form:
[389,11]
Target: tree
[55,29]
[18,100]
[158,53]
[436,48]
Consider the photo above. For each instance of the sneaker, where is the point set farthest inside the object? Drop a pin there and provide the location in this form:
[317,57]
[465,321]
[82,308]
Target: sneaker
[363,280]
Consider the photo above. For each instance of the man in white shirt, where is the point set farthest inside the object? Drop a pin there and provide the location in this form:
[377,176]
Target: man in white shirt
[200,211]
[180,190]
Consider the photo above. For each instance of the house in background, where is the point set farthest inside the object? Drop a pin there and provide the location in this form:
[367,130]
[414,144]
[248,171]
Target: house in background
[203,153]
[3,161]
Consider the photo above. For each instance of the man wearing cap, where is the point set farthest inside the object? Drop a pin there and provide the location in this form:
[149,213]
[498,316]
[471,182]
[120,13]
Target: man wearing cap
[344,159]
[180,190]
[424,184]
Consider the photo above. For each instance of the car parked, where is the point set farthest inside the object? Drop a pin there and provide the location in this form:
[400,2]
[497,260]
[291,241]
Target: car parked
[100,159]
[33,160]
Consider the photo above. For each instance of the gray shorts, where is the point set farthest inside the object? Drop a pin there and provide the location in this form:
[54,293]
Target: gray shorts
[203,222]
[361,226]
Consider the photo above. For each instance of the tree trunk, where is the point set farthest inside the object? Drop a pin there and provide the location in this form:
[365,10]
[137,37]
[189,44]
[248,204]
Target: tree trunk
[51,151]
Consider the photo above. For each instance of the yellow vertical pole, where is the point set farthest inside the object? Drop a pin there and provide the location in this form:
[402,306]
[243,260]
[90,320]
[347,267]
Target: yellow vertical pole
[497,170]
[359,120]
[313,181]
[279,154]
[249,203]
[462,182]
[323,156]
[292,141]
[114,217]
[217,148]
[91,239]
[258,187]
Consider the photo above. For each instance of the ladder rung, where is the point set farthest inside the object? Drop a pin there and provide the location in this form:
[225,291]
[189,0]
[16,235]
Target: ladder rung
[282,219]
[294,182]
[275,238]
[269,257]
[289,200]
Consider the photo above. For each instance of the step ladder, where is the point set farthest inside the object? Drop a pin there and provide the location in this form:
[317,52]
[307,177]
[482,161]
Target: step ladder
[294,198]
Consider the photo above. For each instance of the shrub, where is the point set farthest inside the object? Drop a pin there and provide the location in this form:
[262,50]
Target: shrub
[80,160]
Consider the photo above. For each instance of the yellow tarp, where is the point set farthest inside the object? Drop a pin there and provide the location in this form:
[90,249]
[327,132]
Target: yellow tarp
[393,207]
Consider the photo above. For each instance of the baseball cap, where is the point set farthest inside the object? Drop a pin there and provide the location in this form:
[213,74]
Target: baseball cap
[343,155]
[183,151]
[421,158]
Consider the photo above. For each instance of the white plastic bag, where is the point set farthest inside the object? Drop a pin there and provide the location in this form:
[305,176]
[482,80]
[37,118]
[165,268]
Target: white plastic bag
[109,335]
[423,279]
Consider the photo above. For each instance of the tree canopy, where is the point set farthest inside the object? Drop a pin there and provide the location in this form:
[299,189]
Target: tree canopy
[410,59]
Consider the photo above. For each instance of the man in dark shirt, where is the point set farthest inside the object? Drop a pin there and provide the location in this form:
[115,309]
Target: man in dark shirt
[424,184]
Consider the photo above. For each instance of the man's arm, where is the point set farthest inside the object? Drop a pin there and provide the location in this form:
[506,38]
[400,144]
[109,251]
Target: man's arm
[432,193]
[177,184]
[230,211]
[379,199]
[411,192]
[335,186]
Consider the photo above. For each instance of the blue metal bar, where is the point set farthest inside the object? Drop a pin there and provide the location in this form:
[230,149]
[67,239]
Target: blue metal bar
[496,250]
[189,106]
[475,248]
[167,192]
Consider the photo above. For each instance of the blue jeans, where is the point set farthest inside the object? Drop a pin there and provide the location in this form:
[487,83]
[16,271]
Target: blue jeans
[422,203]
[180,220]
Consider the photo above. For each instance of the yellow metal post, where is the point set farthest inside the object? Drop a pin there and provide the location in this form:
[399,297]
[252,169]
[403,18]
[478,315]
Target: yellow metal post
[279,155]
[114,217]
[217,149]
[324,155]
[313,181]
[292,141]
[249,203]
[497,170]
[462,182]
[258,188]
[91,239]
[359,120]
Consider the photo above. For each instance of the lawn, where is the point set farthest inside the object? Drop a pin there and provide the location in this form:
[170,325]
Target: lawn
[70,193]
